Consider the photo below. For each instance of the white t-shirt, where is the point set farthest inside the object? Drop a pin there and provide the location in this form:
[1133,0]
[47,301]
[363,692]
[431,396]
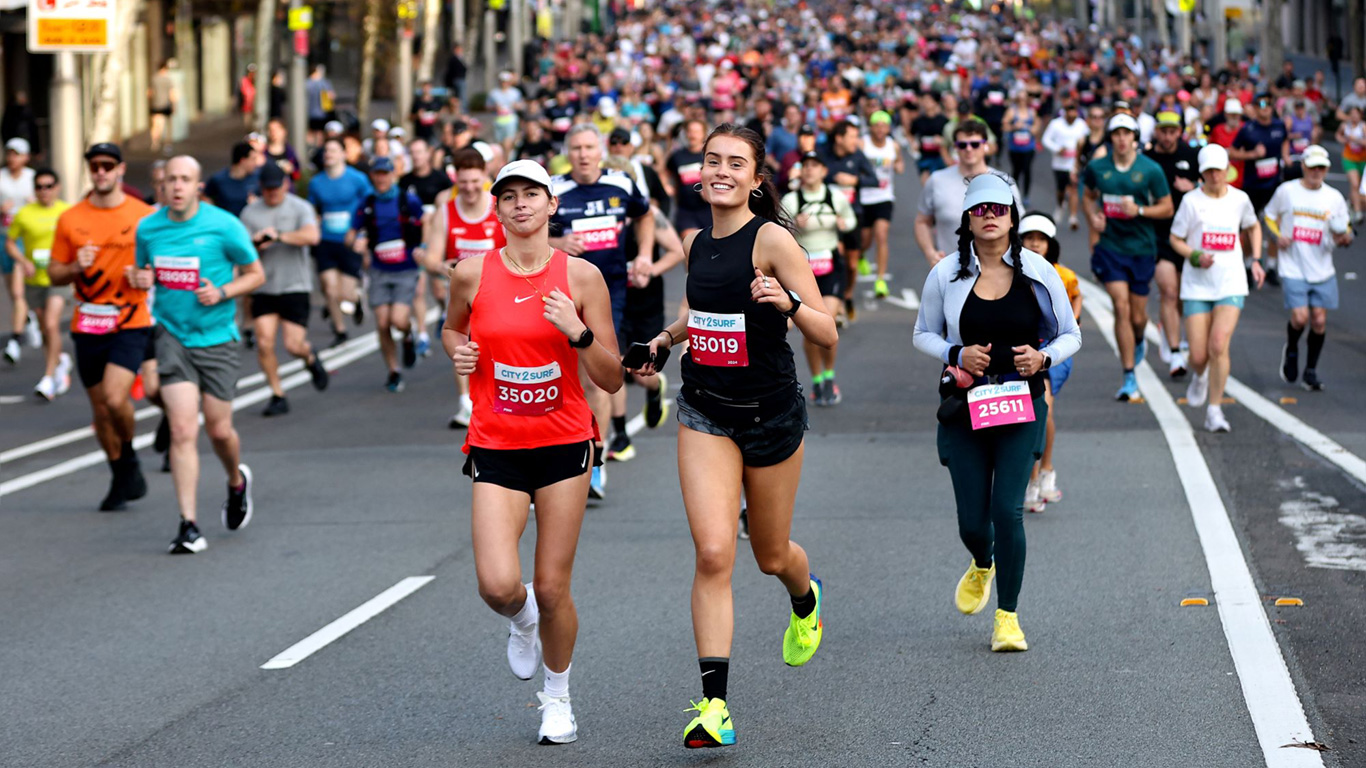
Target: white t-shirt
[15,191]
[1062,139]
[1310,217]
[1214,225]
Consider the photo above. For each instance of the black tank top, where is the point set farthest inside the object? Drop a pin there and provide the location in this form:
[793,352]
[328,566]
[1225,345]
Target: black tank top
[1010,321]
[725,363]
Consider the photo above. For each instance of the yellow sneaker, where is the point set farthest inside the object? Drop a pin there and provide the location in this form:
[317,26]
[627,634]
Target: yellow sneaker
[974,589]
[864,268]
[803,636]
[1007,635]
[711,728]
[880,288]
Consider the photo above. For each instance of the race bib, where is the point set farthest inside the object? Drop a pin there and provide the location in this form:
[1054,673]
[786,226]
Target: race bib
[690,173]
[391,252]
[849,192]
[337,222]
[42,257]
[426,117]
[1268,167]
[929,145]
[994,405]
[1299,145]
[1068,152]
[996,97]
[532,391]
[1308,235]
[1022,138]
[822,262]
[561,124]
[1218,241]
[178,273]
[97,319]
[464,249]
[717,340]
[598,233]
[1114,206]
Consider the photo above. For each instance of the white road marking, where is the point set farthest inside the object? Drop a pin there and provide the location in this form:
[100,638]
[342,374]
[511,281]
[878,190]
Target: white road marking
[872,278]
[1273,704]
[12,399]
[908,300]
[1268,411]
[1327,537]
[337,629]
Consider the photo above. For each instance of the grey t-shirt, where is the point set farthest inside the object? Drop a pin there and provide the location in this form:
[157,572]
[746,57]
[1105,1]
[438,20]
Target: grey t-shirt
[162,85]
[1352,100]
[288,269]
[942,199]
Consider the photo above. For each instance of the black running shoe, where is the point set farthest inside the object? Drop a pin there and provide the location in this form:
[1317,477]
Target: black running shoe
[1273,279]
[278,406]
[237,507]
[1290,363]
[188,541]
[395,382]
[620,449]
[321,377]
[409,351]
[1311,380]
[166,462]
[162,443]
[744,522]
[134,484]
[359,314]
[116,500]
[339,338]
[249,338]
[655,406]
[818,393]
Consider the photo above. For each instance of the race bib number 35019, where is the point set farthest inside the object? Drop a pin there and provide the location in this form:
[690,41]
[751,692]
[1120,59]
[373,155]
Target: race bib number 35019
[533,391]
[177,273]
[994,405]
[719,340]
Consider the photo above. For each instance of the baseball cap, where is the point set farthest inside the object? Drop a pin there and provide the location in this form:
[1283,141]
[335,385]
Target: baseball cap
[607,106]
[397,132]
[1233,107]
[880,116]
[19,145]
[807,129]
[1168,118]
[334,126]
[521,169]
[816,156]
[1316,156]
[1037,222]
[255,138]
[1213,156]
[382,165]
[102,149]
[619,136]
[987,188]
[272,176]
[1121,122]
[380,125]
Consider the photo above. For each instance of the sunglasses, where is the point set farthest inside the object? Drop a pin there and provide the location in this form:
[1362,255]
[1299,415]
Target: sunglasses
[41,187]
[1263,103]
[995,209]
[968,144]
[103,166]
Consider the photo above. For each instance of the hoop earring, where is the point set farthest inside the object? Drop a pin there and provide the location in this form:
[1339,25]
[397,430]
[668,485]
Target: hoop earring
[757,191]
[697,187]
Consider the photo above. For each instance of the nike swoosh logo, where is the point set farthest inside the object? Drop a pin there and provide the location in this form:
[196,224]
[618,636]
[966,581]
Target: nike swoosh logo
[714,255]
[521,299]
[584,464]
[708,672]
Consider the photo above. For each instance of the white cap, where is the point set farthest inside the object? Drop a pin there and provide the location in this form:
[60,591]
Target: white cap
[334,126]
[397,132]
[607,106]
[1316,156]
[522,169]
[380,125]
[19,145]
[484,150]
[1233,107]
[1122,121]
[1213,156]
[1037,222]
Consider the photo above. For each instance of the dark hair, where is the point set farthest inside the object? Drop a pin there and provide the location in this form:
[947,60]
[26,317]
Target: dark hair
[41,172]
[973,126]
[767,204]
[240,151]
[965,244]
[335,140]
[467,158]
[839,129]
[1054,252]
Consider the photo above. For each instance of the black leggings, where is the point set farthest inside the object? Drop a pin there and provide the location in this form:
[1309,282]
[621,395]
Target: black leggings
[1022,168]
[990,470]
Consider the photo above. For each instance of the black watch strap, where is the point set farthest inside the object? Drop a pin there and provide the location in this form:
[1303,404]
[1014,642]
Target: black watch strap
[584,341]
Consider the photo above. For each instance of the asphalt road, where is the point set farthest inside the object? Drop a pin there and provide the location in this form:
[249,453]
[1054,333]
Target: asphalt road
[117,654]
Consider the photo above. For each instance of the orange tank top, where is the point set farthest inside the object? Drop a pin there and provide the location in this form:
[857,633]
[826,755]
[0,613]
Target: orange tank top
[526,388]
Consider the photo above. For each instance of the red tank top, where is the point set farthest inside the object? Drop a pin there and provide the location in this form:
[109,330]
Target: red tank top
[472,238]
[526,388]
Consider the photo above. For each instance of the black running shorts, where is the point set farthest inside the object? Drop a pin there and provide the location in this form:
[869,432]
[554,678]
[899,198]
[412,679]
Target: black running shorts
[530,469]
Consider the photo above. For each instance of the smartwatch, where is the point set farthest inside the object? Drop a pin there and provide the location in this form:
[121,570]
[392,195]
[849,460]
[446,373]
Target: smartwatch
[584,341]
[796,304]
[1047,361]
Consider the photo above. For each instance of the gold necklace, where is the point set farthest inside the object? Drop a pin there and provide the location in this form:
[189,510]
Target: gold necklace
[523,272]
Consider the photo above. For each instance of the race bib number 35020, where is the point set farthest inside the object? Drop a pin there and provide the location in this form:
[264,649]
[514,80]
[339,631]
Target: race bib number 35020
[533,391]
[177,273]
[719,340]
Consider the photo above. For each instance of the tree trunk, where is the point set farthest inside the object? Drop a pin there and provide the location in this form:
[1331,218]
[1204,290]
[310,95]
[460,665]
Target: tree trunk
[431,38]
[114,64]
[1355,35]
[366,87]
[265,61]
[1164,35]
[1273,45]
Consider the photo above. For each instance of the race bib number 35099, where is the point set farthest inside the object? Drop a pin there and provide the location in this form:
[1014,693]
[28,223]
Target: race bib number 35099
[719,340]
[533,391]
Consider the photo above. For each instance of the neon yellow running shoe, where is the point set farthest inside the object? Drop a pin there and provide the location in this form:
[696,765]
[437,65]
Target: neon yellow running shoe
[974,589]
[711,728]
[1007,635]
[803,636]
[880,288]
[864,268]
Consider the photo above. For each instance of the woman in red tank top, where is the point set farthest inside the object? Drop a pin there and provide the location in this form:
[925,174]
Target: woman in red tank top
[519,323]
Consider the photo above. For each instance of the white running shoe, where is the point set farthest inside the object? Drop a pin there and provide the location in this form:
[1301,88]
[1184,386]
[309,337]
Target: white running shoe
[1215,421]
[1198,389]
[33,335]
[524,648]
[1162,350]
[63,374]
[46,389]
[557,720]
[1177,361]
[1033,502]
[13,351]
[1048,486]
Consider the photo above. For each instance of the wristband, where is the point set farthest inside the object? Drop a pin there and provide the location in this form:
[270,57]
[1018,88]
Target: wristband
[1195,257]
[222,293]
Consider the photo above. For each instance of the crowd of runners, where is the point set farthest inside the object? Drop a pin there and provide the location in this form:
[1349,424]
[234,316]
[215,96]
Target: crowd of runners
[761,149]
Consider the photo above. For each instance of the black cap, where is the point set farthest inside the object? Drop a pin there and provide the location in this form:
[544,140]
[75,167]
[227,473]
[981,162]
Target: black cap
[964,107]
[272,176]
[104,149]
[813,156]
[619,136]
[807,129]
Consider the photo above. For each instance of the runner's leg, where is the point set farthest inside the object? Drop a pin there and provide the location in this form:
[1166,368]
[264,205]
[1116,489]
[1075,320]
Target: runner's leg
[711,470]
[266,328]
[332,290]
[182,410]
[386,341]
[497,519]
[1197,335]
[1124,330]
[1224,322]
[1169,288]
[226,444]
[559,518]
[881,229]
[50,320]
[770,495]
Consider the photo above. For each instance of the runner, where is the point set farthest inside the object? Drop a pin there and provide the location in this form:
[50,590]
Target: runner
[1208,231]
[1264,146]
[1311,219]
[336,193]
[16,191]
[941,201]
[691,212]
[850,172]
[820,216]
[982,312]
[426,183]
[1224,133]
[1021,126]
[1125,192]
[111,326]
[927,136]
[238,184]
[739,303]
[387,231]
[531,443]
[1352,135]
[464,225]
[1063,138]
[1180,166]
[594,207]
[878,202]
[283,227]
[189,251]
[35,225]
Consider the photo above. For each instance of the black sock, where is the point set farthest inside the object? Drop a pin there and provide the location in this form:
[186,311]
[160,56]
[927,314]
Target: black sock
[1176,349]
[1292,335]
[1315,347]
[128,455]
[619,425]
[804,605]
[715,671]
[1128,371]
[14,336]
[654,394]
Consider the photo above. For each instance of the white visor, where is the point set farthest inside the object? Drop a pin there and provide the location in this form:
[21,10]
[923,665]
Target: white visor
[1040,224]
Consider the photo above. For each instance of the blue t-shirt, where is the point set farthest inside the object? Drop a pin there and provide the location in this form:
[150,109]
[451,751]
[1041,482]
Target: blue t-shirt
[337,200]
[1264,173]
[184,254]
[598,213]
[388,250]
[232,194]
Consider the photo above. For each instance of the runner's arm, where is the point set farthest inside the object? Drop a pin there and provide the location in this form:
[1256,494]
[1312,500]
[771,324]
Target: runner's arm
[924,237]
[460,295]
[667,239]
[433,234]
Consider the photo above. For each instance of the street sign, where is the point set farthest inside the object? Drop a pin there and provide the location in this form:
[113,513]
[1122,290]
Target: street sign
[70,25]
[301,18]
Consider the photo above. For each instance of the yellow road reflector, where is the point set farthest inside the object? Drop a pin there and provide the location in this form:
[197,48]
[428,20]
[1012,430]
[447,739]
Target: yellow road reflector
[1191,601]
[1289,400]
[1229,401]
[1182,401]
[1289,601]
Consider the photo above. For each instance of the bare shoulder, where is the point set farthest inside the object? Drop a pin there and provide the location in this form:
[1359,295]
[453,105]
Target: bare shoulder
[583,273]
[466,272]
[773,235]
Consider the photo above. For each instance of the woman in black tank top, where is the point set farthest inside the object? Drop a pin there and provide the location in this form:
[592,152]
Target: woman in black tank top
[741,412]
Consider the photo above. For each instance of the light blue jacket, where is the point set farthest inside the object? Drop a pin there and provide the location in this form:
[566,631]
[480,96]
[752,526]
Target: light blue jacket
[941,305]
